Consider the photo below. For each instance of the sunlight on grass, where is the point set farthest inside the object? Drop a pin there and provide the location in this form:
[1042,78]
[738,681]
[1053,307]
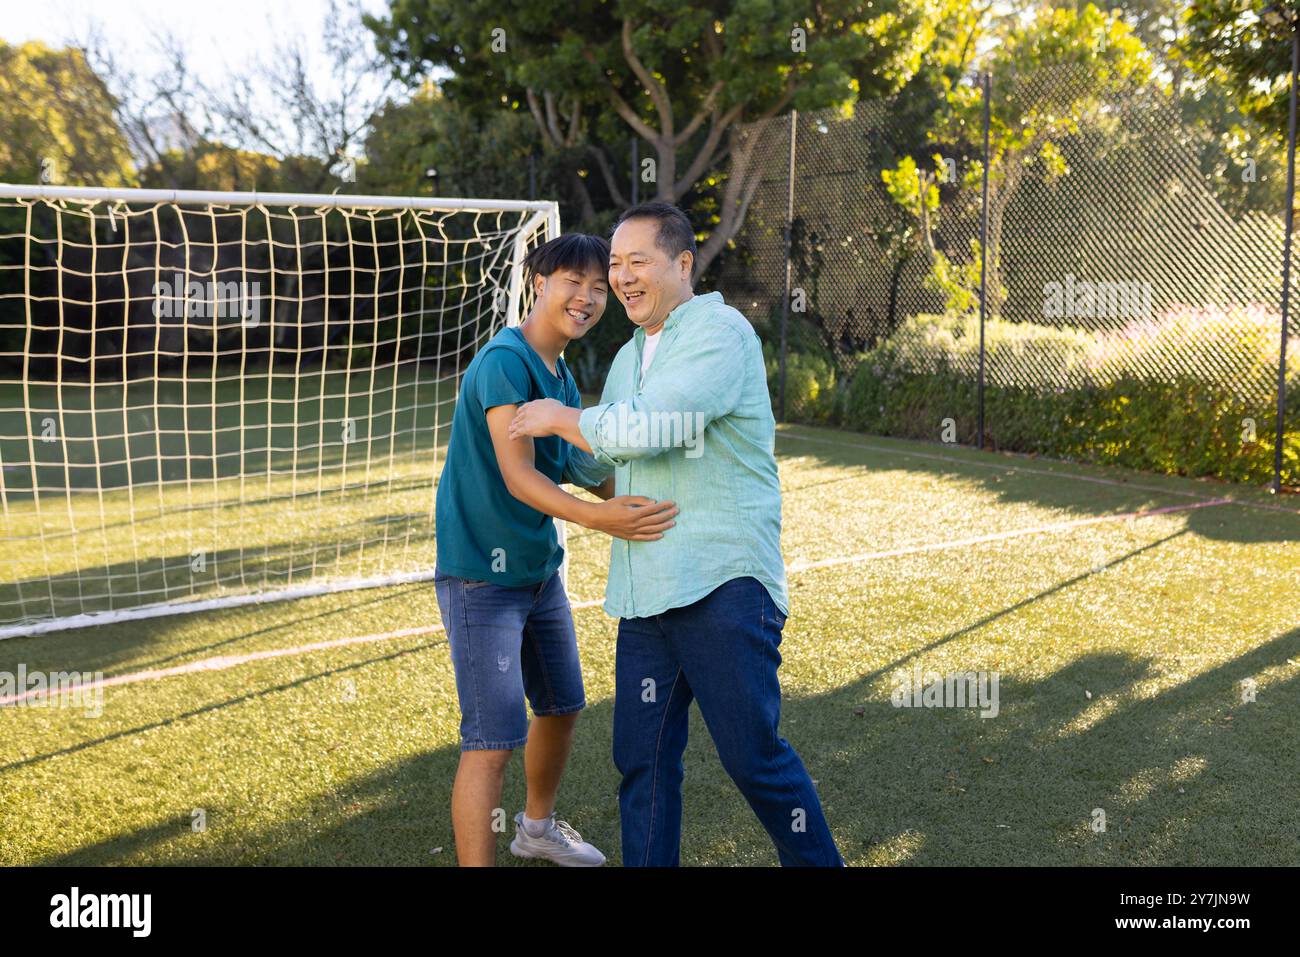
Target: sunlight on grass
[346,754]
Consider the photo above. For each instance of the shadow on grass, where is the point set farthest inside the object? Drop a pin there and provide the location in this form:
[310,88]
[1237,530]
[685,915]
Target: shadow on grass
[206,709]
[1188,776]
[1191,775]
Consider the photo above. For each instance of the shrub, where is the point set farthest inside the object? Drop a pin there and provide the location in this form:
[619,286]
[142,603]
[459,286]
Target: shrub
[1090,396]
[1185,427]
[810,385]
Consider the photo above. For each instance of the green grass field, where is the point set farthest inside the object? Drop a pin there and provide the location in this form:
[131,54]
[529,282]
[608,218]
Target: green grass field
[1123,647]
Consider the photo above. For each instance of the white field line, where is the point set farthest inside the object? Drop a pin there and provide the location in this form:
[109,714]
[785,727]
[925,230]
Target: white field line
[1002,536]
[224,662]
[302,591]
[1005,467]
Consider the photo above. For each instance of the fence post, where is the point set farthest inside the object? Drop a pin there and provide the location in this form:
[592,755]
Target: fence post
[984,256]
[789,229]
[1286,264]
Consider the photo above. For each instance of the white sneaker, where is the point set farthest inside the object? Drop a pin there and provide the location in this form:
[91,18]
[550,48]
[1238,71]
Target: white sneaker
[559,843]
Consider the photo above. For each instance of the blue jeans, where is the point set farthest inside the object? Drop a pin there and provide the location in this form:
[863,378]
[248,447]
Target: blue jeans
[722,652]
[507,643]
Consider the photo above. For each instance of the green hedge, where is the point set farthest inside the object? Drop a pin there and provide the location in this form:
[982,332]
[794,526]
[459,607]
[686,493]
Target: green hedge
[1129,404]
[810,384]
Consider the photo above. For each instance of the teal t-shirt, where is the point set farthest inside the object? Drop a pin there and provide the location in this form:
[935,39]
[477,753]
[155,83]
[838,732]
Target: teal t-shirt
[483,532]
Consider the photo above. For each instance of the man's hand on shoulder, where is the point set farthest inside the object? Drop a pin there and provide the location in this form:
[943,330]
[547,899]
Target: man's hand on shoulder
[536,418]
[543,417]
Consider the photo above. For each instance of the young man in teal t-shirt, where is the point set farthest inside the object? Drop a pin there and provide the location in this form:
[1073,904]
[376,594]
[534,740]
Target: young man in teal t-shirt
[508,621]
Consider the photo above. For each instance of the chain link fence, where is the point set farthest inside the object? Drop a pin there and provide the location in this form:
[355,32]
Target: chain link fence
[1131,282]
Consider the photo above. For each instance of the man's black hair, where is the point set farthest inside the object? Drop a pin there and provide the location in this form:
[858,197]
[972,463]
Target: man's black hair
[674,235]
[580,252]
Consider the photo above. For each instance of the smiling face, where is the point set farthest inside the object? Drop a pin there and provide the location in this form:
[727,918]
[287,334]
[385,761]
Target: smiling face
[648,282]
[572,300]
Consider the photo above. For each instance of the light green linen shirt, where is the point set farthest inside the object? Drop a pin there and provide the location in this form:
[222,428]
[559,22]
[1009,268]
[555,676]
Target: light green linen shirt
[698,429]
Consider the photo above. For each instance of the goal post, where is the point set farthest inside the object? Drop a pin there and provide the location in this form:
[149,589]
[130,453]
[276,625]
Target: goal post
[210,399]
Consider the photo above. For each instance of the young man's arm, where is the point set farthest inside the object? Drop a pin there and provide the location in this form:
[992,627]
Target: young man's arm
[633,517]
[582,469]
[604,490]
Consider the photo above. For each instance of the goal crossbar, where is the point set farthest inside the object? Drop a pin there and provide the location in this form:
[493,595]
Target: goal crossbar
[201,197]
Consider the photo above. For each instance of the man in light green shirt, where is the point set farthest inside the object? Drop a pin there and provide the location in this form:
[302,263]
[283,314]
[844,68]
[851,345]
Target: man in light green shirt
[701,609]
[701,426]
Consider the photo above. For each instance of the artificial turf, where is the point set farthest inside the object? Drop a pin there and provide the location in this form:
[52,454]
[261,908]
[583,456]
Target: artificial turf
[1124,650]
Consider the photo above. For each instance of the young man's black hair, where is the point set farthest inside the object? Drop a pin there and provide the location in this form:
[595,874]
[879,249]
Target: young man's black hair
[577,251]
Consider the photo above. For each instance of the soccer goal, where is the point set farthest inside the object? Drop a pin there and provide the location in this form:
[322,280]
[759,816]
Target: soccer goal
[211,399]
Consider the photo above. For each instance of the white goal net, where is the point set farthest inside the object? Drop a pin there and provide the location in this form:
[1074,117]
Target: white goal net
[208,399]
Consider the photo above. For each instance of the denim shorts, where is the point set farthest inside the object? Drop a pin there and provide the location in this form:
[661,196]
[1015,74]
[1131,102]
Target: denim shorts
[508,643]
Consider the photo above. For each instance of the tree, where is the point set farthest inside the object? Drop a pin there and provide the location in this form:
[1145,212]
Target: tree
[1050,72]
[57,120]
[1247,54]
[907,158]
[168,117]
[214,166]
[278,125]
[310,127]
[683,78]
[1237,85]
[472,153]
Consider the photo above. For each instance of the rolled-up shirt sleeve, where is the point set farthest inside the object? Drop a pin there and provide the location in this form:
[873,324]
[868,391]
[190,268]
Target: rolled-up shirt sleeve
[584,471]
[701,383]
